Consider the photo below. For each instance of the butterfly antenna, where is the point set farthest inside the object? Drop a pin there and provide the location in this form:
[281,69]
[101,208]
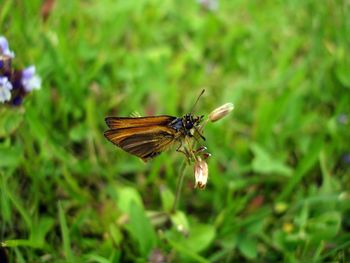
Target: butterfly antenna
[194,105]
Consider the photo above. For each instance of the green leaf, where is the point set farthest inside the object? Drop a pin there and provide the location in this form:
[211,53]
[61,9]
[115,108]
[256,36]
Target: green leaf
[5,202]
[328,183]
[40,229]
[141,229]
[78,132]
[17,202]
[248,246]
[185,251]
[324,227]
[65,234]
[200,237]
[342,72]
[180,221]
[19,242]
[96,258]
[10,119]
[306,163]
[115,234]
[264,163]
[167,198]
[10,156]
[126,196]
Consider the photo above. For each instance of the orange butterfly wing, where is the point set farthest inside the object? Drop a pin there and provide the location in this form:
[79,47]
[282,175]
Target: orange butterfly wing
[145,137]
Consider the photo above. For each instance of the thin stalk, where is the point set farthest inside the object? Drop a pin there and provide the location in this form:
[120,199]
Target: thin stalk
[179,186]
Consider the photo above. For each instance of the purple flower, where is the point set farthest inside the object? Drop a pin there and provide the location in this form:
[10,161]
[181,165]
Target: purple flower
[15,84]
[30,80]
[346,158]
[343,119]
[5,64]
[17,101]
[4,48]
[5,89]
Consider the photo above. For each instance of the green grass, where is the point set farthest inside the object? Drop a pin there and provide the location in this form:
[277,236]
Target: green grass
[278,188]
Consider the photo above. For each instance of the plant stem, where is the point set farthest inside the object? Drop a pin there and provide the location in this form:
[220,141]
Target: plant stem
[179,186]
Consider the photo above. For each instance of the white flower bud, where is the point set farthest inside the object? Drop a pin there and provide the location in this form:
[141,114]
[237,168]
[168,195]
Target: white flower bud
[200,174]
[221,112]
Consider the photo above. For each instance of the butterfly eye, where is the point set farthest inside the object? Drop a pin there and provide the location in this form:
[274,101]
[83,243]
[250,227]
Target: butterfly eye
[189,125]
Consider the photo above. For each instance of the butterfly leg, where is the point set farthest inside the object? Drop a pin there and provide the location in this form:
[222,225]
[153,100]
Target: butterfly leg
[191,154]
[178,149]
[184,151]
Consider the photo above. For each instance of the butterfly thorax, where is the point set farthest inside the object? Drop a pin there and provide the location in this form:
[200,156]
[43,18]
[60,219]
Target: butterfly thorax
[186,124]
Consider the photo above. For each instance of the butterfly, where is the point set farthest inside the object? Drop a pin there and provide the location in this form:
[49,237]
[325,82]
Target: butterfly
[147,137]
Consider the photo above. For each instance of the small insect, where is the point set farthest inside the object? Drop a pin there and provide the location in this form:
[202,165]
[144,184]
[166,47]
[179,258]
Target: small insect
[147,137]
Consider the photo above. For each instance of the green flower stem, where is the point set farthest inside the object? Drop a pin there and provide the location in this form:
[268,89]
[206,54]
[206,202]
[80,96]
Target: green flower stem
[179,186]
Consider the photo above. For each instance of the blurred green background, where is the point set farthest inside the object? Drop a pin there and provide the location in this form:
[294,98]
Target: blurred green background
[279,175]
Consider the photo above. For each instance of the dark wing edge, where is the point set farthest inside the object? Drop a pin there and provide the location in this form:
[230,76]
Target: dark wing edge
[131,122]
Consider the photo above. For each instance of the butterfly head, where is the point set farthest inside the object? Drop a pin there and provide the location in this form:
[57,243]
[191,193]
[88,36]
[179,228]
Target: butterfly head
[190,122]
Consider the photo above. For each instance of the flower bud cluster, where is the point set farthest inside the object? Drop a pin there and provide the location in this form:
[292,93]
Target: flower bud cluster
[200,165]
